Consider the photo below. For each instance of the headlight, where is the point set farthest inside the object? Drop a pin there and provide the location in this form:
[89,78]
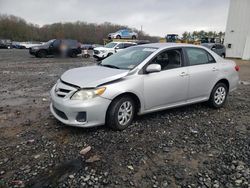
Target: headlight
[86,94]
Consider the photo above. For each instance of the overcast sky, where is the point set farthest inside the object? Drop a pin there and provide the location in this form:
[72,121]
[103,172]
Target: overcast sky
[157,17]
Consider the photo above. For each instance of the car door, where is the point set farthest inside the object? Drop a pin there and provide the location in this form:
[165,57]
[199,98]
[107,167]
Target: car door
[169,86]
[203,72]
[54,48]
[125,34]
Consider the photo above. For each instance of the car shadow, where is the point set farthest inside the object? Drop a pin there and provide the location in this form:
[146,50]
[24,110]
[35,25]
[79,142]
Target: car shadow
[193,108]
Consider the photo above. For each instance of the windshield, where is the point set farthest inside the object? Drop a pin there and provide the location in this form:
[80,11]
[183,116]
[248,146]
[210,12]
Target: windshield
[50,41]
[128,58]
[110,45]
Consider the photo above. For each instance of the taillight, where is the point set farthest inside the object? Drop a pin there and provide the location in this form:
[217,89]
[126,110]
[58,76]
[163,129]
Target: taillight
[237,68]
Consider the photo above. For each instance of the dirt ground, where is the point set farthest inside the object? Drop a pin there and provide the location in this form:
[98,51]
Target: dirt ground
[193,146]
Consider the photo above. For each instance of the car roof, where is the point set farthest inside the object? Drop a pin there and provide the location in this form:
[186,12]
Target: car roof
[169,45]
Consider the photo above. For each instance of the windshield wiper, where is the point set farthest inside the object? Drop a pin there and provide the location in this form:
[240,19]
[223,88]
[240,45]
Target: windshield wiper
[110,66]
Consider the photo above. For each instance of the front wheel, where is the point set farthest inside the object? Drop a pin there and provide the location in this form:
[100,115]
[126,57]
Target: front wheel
[121,113]
[41,54]
[133,37]
[109,54]
[218,96]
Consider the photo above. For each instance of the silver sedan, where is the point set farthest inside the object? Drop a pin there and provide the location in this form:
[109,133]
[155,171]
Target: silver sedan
[140,80]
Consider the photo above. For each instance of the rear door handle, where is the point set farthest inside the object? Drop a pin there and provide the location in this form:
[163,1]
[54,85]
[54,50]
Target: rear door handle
[183,74]
[214,69]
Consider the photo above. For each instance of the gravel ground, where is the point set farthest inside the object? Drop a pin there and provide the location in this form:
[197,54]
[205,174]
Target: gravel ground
[192,146]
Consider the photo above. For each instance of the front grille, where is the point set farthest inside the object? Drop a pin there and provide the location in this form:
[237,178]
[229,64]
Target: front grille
[62,89]
[60,113]
[96,52]
[62,92]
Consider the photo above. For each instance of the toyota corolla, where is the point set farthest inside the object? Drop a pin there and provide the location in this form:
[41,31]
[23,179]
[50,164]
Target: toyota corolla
[139,80]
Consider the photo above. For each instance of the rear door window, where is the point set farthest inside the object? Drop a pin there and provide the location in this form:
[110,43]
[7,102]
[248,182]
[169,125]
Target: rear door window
[197,56]
[56,43]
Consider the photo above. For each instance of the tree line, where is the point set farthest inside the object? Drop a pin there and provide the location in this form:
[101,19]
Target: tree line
[17,29]
[201,34]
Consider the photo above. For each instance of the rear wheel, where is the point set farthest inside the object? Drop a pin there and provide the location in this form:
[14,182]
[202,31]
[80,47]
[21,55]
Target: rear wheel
[118,37]
[218,96]
[133,37]
[120,113]
[41,54]
[223,55]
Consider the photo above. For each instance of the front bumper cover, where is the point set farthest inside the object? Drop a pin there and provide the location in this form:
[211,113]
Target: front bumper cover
[66,110]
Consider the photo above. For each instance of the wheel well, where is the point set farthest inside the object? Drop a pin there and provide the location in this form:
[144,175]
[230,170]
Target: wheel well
[225,81]
[134,97]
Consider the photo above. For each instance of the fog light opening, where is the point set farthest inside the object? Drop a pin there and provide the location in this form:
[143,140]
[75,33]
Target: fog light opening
[81,117]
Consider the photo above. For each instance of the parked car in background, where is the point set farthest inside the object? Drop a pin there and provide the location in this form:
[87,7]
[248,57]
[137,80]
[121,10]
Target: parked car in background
[123,34]
[110,48]
[139,80]
[218,48]
[29,44]
[17,45]
[5,43]
[57,47]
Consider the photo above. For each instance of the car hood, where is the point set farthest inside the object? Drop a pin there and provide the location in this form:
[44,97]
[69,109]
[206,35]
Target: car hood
[92,76]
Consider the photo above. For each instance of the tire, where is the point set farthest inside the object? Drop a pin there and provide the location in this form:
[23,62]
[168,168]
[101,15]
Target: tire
[109,54]
[223,55]
[120,113]
[41,54]
[133,37]
[72,54]
[218,95]
[86,56]
[118,37]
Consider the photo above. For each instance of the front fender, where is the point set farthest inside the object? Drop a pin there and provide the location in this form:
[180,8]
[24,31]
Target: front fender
[130,84]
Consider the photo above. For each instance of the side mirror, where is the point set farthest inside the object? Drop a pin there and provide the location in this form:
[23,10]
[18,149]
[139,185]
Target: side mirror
[213,48]
[153,68]
[117,47]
